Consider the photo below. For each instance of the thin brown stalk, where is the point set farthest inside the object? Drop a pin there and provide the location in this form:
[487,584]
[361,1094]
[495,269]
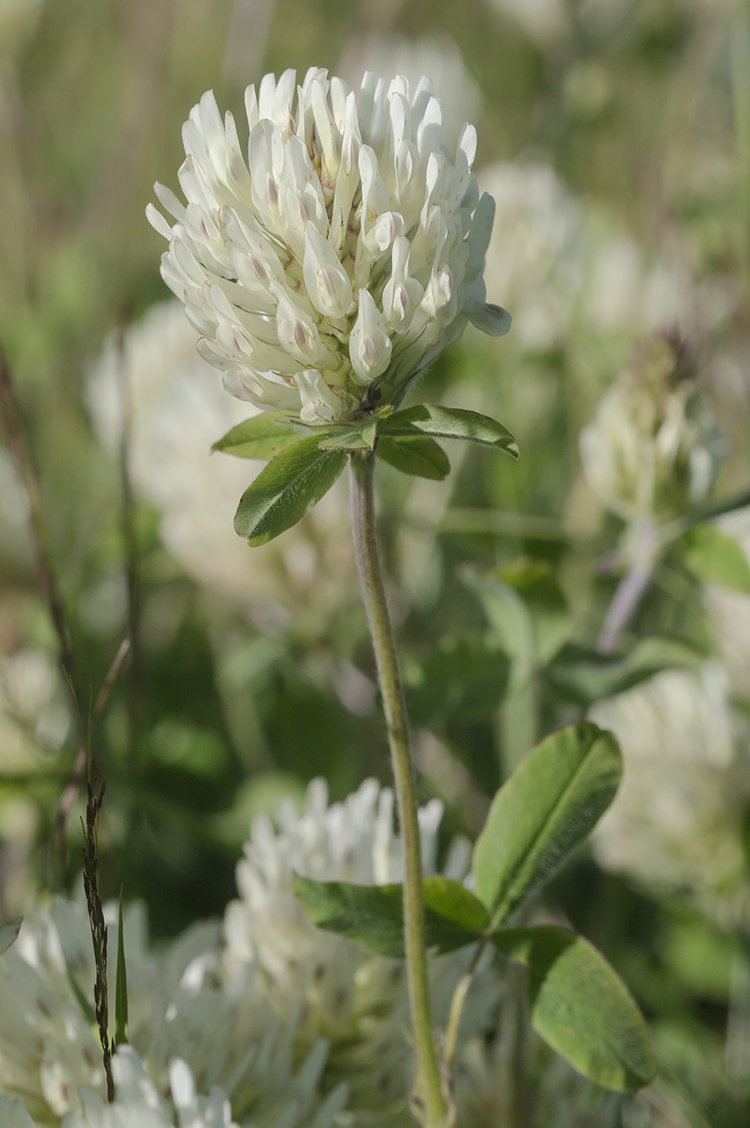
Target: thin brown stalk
[10,416]
[70,794]
[98,928]
[131,558]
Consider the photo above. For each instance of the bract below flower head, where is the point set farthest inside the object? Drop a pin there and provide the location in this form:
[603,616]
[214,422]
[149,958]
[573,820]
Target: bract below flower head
[329,270]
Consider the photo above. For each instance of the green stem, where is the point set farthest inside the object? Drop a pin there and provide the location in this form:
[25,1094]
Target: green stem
[428,1088]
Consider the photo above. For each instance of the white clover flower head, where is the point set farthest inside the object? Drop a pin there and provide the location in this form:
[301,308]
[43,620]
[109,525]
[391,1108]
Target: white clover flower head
[138,1104]
[329,270]
[676,820]
[652,450]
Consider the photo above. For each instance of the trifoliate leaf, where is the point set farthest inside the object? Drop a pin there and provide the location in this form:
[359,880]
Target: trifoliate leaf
[414,454]
[373,914]
[361,437]
[286,489]
[449,423]
[544,811]
[261,436]
[581,1007]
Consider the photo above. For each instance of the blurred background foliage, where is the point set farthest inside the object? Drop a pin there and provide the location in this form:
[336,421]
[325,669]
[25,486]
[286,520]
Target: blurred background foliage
[615,136]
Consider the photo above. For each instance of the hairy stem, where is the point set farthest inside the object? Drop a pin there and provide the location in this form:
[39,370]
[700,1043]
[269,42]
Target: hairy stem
[428,1102]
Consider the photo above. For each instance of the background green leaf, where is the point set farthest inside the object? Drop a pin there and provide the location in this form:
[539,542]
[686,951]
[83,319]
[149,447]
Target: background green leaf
[582,675]
[465,679]
[581,1007]
[416,455]
[373,914]
[450,423]
[717,559]
[547,808]
[286,489]
[262,436]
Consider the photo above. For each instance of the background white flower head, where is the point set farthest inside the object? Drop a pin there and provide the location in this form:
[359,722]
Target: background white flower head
[355,999]
[177,411]
[326,277]
[676,818]
[177,1009]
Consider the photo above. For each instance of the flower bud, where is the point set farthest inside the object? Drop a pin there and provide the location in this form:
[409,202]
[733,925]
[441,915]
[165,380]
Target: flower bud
[652,450]
[369,343]
[327,282]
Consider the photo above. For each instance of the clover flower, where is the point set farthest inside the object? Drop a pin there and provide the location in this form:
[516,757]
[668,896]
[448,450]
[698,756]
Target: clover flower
[138,1104]
[676,820]
[177,410]
[329,270]
[354,999]
[50,1056]
[652,450]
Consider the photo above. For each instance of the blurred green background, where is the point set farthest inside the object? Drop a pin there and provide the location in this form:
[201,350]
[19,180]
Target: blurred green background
[615,135]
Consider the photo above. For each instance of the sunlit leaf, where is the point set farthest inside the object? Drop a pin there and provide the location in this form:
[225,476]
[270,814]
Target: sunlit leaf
[286,489]
[544,811]
[262,436]
[450,423]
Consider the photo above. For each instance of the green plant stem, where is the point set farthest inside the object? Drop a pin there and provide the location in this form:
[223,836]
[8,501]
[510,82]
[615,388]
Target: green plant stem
[428,1086]
[457,1004]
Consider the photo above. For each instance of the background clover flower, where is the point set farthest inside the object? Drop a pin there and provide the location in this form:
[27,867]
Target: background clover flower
[653,449]
[329,270]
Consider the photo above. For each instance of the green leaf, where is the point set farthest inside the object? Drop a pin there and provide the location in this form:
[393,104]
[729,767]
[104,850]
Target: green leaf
[373,914]
[717,559]
[544,811]
[121,985]
[450,423]
[583,676]
[535,583]
[290,485]
[361,437]
[9,934]
[581,1007]
[465,679]
[416,455]
[261,436]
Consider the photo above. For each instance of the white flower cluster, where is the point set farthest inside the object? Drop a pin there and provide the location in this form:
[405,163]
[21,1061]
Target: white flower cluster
[176,409]
[652,449]
[570,272]
[676,820]
[138,1104]
[354,999]
[283,1025]
[329,270]
[49,1052]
